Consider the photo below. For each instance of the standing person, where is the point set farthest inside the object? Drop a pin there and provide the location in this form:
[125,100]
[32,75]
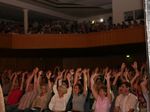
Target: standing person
[102,95]
[2,105]
[126,102]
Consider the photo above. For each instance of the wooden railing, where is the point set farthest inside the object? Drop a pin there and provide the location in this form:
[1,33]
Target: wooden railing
[105,38]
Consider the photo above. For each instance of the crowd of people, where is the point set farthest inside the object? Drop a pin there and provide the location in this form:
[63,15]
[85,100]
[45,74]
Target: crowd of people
[65,27]
[123,89]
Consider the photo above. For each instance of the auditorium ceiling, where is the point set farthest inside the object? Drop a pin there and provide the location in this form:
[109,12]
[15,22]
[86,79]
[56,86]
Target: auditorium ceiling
[71,8]
[77,8]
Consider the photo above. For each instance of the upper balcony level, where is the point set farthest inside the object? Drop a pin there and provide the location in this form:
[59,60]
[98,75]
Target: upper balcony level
[131,35]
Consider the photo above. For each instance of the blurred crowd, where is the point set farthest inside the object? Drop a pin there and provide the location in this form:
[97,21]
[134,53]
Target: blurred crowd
[123,89]
[65,27]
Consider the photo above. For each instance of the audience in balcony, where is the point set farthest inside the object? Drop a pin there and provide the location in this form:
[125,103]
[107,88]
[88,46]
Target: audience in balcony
[65,27]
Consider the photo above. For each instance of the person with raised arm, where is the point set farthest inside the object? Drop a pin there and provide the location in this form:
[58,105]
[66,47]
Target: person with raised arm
[40,103]
[79,91]
[16,91]
[61,96]
[30,91]
[102,95]
[145,91]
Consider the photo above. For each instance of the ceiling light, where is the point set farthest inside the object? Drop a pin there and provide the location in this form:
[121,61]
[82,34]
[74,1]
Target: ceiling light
[101,20]
[127,56]
[93,21]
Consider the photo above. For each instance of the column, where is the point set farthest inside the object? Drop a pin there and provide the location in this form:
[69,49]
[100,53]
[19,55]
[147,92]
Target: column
[147,25]
[25,20]
[147,28]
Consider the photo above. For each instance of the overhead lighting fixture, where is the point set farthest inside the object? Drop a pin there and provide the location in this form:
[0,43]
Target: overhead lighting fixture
[127,56]
[93,21]
[101,20]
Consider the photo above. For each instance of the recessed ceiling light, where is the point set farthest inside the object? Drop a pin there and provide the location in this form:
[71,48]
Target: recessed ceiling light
[101,20]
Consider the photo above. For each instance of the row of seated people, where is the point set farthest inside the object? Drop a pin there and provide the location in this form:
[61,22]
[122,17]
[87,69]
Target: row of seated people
[63,27]
[82,90]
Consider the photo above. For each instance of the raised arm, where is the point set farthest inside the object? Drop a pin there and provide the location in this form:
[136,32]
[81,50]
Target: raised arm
[85,81]
[88,77]
[94,92]
[68,79]
[14,81]
[126,74]
[69,90]
[48,75]
[107,77]
[29,79]
[55,84]
[144,83]
[39,78]
[117,75]
[122,69]
[22,81]
[77,73]
[144,87]
[137,73]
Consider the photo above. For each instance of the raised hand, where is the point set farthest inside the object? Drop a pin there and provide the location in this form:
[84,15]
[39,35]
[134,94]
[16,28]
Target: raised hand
[59,76]
[68,76]
[40,73]
[107,75]
[35,70]
[125,74]
[84,71]
[145,80]
[18,73]
[123,65]
[118,74]
[23,74]
[106,70]
[78,70]
[71,71]
[48,74]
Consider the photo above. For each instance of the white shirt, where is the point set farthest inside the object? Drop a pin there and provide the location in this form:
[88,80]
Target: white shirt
[126,102]
[59,103]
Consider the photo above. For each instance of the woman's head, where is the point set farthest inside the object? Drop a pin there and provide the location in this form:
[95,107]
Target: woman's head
[43,88]
[62,90]
[102,91]
[78,89]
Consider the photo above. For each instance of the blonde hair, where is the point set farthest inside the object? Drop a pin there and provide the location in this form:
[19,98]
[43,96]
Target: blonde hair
[63,89]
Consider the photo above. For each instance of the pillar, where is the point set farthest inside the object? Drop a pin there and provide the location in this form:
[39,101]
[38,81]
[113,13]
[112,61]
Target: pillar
[25,20]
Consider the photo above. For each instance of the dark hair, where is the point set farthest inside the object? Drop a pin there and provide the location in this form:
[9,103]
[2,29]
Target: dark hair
[127,84]
[80,88]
